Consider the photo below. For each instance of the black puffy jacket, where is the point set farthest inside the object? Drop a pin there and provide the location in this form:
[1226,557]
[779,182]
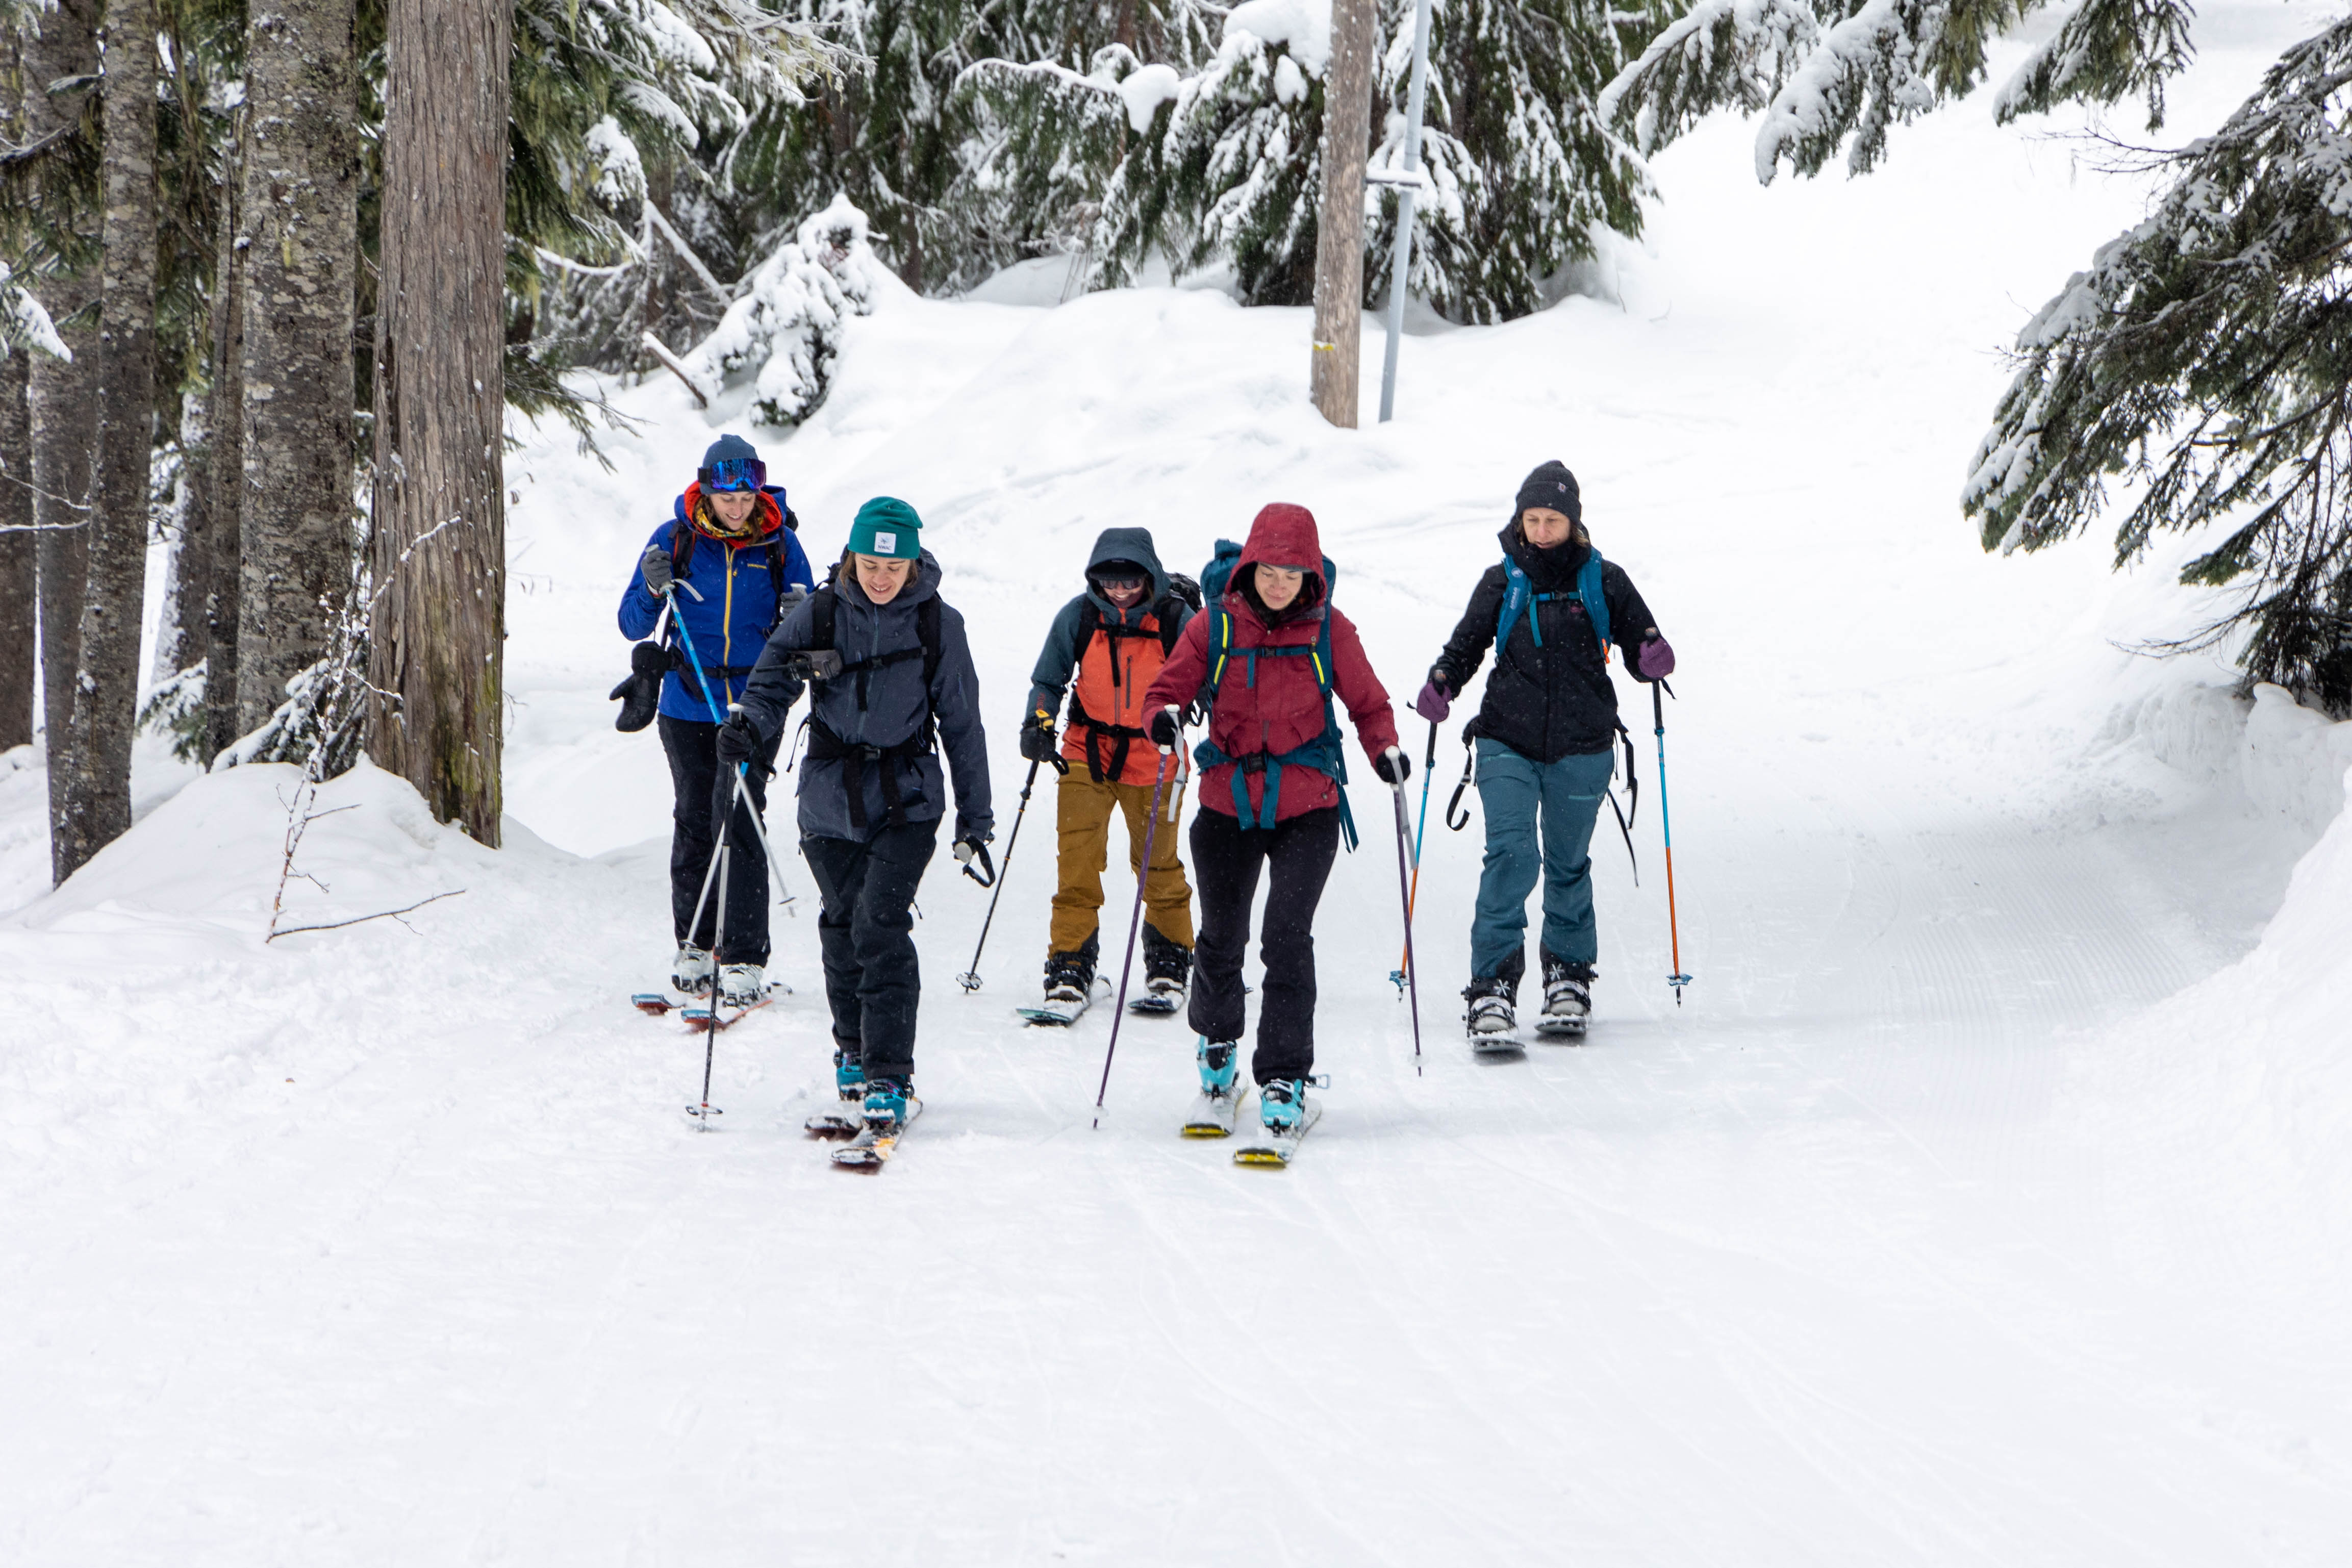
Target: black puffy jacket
[1556,701]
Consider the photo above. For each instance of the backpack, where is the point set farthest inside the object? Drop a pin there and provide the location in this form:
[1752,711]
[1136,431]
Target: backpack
[1182,591]
[1520,594]
[824,745]
[1326,754]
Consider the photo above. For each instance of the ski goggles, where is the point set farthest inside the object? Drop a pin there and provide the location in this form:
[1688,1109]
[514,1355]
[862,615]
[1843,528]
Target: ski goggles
[735,474]
[1121,585]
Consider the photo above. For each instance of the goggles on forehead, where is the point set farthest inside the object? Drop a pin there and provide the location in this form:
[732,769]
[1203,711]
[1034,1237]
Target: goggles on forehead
[735,474]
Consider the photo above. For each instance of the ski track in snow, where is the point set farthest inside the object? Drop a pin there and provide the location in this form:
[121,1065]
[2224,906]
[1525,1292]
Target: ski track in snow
[393,1245]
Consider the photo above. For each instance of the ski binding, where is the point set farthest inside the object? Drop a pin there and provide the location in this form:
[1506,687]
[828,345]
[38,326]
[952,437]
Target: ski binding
[1277,1149]
[872,1148]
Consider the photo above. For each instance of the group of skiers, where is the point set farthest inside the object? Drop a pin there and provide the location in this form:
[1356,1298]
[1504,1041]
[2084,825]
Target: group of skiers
[1255,656]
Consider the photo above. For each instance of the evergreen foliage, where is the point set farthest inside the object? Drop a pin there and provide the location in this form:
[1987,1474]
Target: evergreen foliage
[1829,74]
[2206,359]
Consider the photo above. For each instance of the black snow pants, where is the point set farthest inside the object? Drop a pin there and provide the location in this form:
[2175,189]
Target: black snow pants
[700,790]
[865,930]
[1225,862]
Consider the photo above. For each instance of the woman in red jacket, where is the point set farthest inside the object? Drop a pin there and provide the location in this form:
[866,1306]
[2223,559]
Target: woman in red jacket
[1268,794]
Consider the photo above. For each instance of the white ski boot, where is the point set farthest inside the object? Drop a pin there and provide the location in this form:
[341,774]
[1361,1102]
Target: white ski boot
[741,985]
[1568,997]
[690,970]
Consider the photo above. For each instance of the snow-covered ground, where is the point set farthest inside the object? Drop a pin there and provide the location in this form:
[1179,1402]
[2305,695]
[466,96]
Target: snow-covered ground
[1985,1201]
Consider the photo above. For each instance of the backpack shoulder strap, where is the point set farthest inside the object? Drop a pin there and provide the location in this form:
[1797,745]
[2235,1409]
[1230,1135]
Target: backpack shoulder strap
[927,628]
[1166,612]
[821,606]
[681,549]
[1589,588]
[1517,591]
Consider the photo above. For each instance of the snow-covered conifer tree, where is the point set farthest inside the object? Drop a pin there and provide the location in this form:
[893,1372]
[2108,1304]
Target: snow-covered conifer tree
[2206,358]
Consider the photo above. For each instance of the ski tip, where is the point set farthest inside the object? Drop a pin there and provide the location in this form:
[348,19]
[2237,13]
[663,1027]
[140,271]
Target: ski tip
[1208,1130]
[651,1001]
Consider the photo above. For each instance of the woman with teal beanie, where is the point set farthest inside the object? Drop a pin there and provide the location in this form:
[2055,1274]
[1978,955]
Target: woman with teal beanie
[892,686]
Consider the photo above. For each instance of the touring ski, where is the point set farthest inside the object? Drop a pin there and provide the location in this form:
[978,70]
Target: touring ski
[1059,1015]
[871,1149]
[1567,1031]
[1277,1149]
[1212,1114]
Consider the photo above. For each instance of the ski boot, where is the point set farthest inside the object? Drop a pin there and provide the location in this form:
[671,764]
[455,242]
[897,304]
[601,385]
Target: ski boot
[1217,1065]
[1068,976]
[741,985]
[849,1071]
[885,1103]
[1568,996]
[1282,1106]
[690,970]
[1167,970]
[1492,1006]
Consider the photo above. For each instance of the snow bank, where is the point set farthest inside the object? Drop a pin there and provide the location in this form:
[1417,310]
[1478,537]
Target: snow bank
[2289,759]
[785,333]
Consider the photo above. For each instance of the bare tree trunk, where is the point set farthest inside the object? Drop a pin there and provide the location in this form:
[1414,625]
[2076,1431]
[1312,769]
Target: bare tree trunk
[224,484]
[97,807]
[436,653]
[1339,222]
[19,586]
[64,404]
[300,236]
[187,579]
[19,631]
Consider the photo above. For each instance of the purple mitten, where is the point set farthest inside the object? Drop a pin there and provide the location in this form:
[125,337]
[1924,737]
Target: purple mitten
[1433,703]
[1654,660]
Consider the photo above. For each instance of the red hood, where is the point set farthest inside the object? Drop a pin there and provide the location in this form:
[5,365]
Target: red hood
[766,517]
[1284,535]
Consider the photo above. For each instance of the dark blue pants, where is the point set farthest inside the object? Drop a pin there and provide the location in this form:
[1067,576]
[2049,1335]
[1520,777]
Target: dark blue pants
[700,790]
[1517,792]
[865,929]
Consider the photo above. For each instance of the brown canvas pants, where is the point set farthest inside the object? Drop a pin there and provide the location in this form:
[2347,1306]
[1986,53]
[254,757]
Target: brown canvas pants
[1082,816]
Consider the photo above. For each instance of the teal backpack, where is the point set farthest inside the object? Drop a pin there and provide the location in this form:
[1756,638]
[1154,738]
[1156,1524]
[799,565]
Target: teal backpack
[1326,754]
[1520,594]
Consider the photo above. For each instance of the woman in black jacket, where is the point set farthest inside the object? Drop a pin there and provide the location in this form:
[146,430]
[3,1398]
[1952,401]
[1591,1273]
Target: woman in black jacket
[1545,735]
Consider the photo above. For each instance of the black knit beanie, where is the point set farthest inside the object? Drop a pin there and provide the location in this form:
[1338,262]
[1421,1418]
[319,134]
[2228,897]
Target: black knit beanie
[1552,485]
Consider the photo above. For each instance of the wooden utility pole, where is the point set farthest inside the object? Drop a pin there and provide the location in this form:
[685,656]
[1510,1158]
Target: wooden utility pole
[298,234]
[1339,225]
[96,809]
[438,552]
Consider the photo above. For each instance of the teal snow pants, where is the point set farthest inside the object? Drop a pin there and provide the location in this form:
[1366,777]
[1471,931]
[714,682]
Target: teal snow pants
[1515,791]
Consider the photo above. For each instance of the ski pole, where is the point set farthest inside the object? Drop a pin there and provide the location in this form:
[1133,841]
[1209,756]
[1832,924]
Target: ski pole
[743,773]
[1667,826]
[718,936]
[1134,924]
[1404,893]
[1420,832]
[969,978]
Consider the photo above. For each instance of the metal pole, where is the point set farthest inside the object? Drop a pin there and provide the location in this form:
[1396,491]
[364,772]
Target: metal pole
[1400,261]
[969,978]
[1134,924]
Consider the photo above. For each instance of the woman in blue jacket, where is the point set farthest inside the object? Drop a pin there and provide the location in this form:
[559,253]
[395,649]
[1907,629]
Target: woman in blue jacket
[730,563]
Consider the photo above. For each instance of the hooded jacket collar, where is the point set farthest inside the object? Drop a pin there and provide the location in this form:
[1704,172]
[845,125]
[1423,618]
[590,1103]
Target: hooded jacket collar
[1551,571]
[1127,544]
[766,517]
[1282,536]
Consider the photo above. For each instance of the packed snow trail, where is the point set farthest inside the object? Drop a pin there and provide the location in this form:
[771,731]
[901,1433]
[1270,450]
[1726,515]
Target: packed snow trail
[1892,1244]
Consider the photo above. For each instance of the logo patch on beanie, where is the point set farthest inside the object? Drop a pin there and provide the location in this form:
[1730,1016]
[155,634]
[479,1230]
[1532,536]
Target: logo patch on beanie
[886,545]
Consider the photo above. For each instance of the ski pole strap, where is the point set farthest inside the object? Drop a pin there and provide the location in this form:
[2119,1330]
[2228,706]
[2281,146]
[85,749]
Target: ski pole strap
[1469,770]
[1633,782]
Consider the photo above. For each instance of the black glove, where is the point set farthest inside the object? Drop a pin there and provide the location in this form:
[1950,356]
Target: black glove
[972,848]
[1393,766]
[1163,728]
[739,740]
[1037,740]
[655,564]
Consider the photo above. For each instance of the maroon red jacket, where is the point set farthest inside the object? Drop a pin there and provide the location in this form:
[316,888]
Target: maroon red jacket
[1283,708]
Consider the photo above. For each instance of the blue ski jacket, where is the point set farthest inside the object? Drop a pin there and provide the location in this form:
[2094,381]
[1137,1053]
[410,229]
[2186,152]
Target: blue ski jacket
[734,603]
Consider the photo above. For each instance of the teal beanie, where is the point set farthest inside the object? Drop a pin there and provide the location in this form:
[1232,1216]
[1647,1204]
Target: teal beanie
[887,527]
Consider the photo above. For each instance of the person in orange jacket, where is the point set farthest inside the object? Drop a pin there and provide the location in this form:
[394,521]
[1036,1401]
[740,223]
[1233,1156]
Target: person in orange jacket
[1105,650]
